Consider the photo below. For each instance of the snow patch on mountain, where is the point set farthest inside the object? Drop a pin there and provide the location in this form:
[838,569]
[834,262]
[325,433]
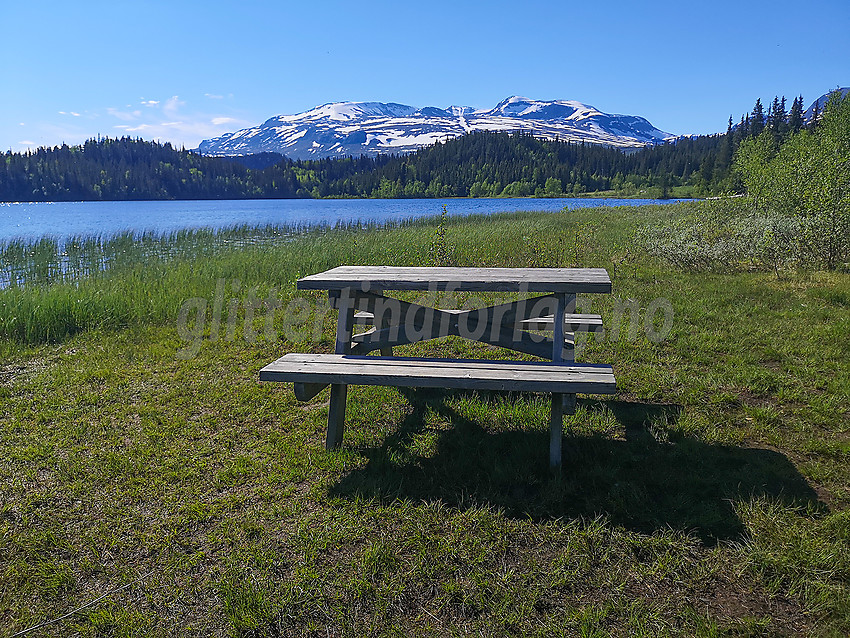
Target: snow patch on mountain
[821,102]
[339,129]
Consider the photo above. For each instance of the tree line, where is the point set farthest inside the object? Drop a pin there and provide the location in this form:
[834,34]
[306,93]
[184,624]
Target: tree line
[133,169]
[800,183]
[481,164]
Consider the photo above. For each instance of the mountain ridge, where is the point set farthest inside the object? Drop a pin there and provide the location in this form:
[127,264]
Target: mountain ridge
[339,129]
[820,103]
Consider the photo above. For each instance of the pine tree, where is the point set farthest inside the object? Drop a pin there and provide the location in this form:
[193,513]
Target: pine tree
[774,117]
[813,123]
[795,119]
[757,120]
[745,126]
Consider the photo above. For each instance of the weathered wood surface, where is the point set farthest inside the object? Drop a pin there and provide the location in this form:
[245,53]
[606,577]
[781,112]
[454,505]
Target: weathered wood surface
[306,391]
[526,376]
[353,288]
[572,322]
[403,322]
[504,337]
[372,278]
[558,345]
[407,322]
[339,391]
[398,309]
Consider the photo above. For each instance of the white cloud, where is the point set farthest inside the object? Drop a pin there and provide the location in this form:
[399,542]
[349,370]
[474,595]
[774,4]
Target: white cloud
[63,131]
[172,105]
[174,121]
[127,116]
[213,96]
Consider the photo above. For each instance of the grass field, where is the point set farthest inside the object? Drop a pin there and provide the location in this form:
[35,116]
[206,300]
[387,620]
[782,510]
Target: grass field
[151,486]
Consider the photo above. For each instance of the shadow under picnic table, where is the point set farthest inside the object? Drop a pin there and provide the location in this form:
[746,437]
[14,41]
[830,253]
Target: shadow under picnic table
[650,479]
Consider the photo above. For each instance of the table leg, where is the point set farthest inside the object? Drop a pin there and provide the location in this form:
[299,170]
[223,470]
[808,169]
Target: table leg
[383,323]
[570,356]
[559,354]
[339,393]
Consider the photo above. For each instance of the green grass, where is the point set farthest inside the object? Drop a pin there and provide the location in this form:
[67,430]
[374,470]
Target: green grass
[709,497]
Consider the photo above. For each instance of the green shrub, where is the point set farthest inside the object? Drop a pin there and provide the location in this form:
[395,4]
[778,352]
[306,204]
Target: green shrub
[806,178]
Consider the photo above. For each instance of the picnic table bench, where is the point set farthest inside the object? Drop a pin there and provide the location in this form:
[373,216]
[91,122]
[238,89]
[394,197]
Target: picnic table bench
[358,293]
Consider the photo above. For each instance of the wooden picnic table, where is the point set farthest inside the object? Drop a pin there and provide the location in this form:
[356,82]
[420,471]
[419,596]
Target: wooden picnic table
[358,293]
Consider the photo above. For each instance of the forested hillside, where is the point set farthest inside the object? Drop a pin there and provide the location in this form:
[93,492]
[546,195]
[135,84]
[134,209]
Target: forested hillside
[128,169]
[477,165]
[502,164]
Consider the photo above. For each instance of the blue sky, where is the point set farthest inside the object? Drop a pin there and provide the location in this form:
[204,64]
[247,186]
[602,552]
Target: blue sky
[186,70]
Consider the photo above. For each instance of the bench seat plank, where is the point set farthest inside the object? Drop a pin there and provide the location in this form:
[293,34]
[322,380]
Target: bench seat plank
[572,322]
[527,376]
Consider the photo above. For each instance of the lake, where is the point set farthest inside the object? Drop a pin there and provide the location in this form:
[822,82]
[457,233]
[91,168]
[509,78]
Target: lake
[66,219]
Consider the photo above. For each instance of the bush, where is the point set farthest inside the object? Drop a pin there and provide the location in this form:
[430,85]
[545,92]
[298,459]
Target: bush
[796,211]
[806,178]
[718,237]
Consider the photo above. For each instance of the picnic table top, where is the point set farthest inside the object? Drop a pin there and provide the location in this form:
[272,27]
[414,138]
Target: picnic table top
[372,278]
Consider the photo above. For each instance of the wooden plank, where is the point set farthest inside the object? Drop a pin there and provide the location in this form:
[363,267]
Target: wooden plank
[521,341]
[442,373]
[329,366]
[371,278]
[446,364]
[364,318]
[306,391]
[344,327]
[572,322]
[336,416]
[397,309]
[385,323]
[506,337]
[339,391]
[410,319]
[558,329]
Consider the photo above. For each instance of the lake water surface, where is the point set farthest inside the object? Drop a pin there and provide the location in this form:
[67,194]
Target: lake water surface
[66,219]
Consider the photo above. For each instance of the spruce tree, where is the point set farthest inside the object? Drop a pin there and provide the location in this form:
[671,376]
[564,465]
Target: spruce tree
[795,119]
[757,120]
[775,118]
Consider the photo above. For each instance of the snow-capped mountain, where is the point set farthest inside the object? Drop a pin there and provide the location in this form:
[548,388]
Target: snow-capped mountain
[821,102]
[354,128]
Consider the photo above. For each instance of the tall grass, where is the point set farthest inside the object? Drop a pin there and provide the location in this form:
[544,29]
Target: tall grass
[51,290]
[47,260]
